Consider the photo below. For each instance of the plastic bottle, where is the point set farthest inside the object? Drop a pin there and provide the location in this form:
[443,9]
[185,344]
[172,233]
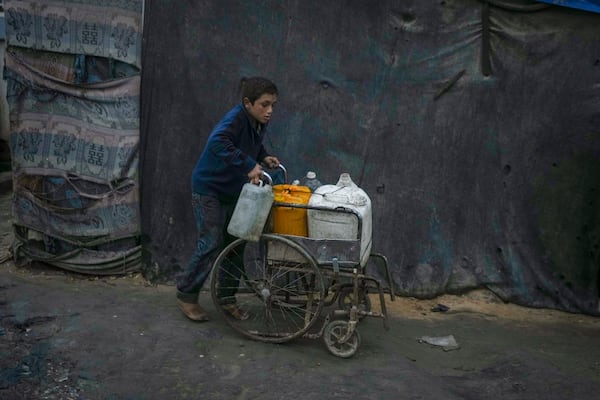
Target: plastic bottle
[311,181]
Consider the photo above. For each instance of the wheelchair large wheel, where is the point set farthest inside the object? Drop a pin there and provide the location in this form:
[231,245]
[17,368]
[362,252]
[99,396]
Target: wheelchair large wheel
[275,283]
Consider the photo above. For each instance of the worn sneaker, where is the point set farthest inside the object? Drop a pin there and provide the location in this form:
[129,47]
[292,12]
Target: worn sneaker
[235,312]
[192,311]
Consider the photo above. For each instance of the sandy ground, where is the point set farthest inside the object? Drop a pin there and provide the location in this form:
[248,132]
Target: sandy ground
[68,336]
[484,304]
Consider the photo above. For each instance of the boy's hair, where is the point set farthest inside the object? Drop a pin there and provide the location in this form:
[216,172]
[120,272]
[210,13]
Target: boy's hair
[256,86]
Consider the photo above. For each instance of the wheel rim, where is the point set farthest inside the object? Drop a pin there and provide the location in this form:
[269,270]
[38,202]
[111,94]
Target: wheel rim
[280,287]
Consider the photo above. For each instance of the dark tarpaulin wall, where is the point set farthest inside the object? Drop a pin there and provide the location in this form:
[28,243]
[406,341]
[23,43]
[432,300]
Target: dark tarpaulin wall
[472,126]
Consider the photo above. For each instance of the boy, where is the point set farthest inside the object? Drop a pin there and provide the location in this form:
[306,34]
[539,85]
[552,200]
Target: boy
[232,156]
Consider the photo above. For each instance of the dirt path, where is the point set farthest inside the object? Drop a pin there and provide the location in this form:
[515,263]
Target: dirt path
[70,337]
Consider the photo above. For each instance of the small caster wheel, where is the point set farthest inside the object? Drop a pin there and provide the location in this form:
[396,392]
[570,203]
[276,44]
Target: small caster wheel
[336,330]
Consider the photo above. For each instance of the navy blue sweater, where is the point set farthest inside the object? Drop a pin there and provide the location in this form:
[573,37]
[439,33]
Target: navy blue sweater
[233,148]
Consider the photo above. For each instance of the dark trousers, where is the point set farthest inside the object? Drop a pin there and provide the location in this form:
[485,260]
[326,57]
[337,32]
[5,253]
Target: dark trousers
[212,217]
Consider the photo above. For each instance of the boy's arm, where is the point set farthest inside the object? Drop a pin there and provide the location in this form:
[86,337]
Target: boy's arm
[221,144]
[267,159]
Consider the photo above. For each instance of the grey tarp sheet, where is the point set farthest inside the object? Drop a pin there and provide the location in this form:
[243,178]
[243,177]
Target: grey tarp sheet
[473,128]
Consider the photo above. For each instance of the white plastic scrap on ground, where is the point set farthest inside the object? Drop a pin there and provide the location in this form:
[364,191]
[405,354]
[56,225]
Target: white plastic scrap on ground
[446,342]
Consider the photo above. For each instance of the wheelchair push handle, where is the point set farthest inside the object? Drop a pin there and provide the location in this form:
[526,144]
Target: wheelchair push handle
[267,177]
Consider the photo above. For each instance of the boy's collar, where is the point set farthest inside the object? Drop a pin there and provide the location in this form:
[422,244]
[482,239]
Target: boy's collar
[256,126]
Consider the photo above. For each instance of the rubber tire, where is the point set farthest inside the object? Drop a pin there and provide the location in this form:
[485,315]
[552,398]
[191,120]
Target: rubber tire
[334,331]
[278,308]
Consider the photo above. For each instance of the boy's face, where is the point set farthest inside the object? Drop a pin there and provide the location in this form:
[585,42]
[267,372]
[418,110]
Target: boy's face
[262,108]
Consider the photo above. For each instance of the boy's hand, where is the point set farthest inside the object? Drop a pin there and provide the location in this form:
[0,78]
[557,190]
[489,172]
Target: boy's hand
[271,162]
[255,174]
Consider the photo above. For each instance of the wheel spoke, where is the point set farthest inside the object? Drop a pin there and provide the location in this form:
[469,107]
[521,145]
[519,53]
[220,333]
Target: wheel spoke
[275,280]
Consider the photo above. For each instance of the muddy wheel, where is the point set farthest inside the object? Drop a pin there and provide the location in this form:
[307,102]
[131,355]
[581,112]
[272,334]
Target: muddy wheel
[275,282]
[346,300]
[334,332]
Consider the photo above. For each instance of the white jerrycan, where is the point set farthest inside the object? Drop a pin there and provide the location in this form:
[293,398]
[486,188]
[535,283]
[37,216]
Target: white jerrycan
[336,225]
[251,211]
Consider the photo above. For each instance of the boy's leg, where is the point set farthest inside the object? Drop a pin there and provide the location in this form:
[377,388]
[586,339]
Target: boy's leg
[229,277]
[230,274]
[233,267]
[210,218]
